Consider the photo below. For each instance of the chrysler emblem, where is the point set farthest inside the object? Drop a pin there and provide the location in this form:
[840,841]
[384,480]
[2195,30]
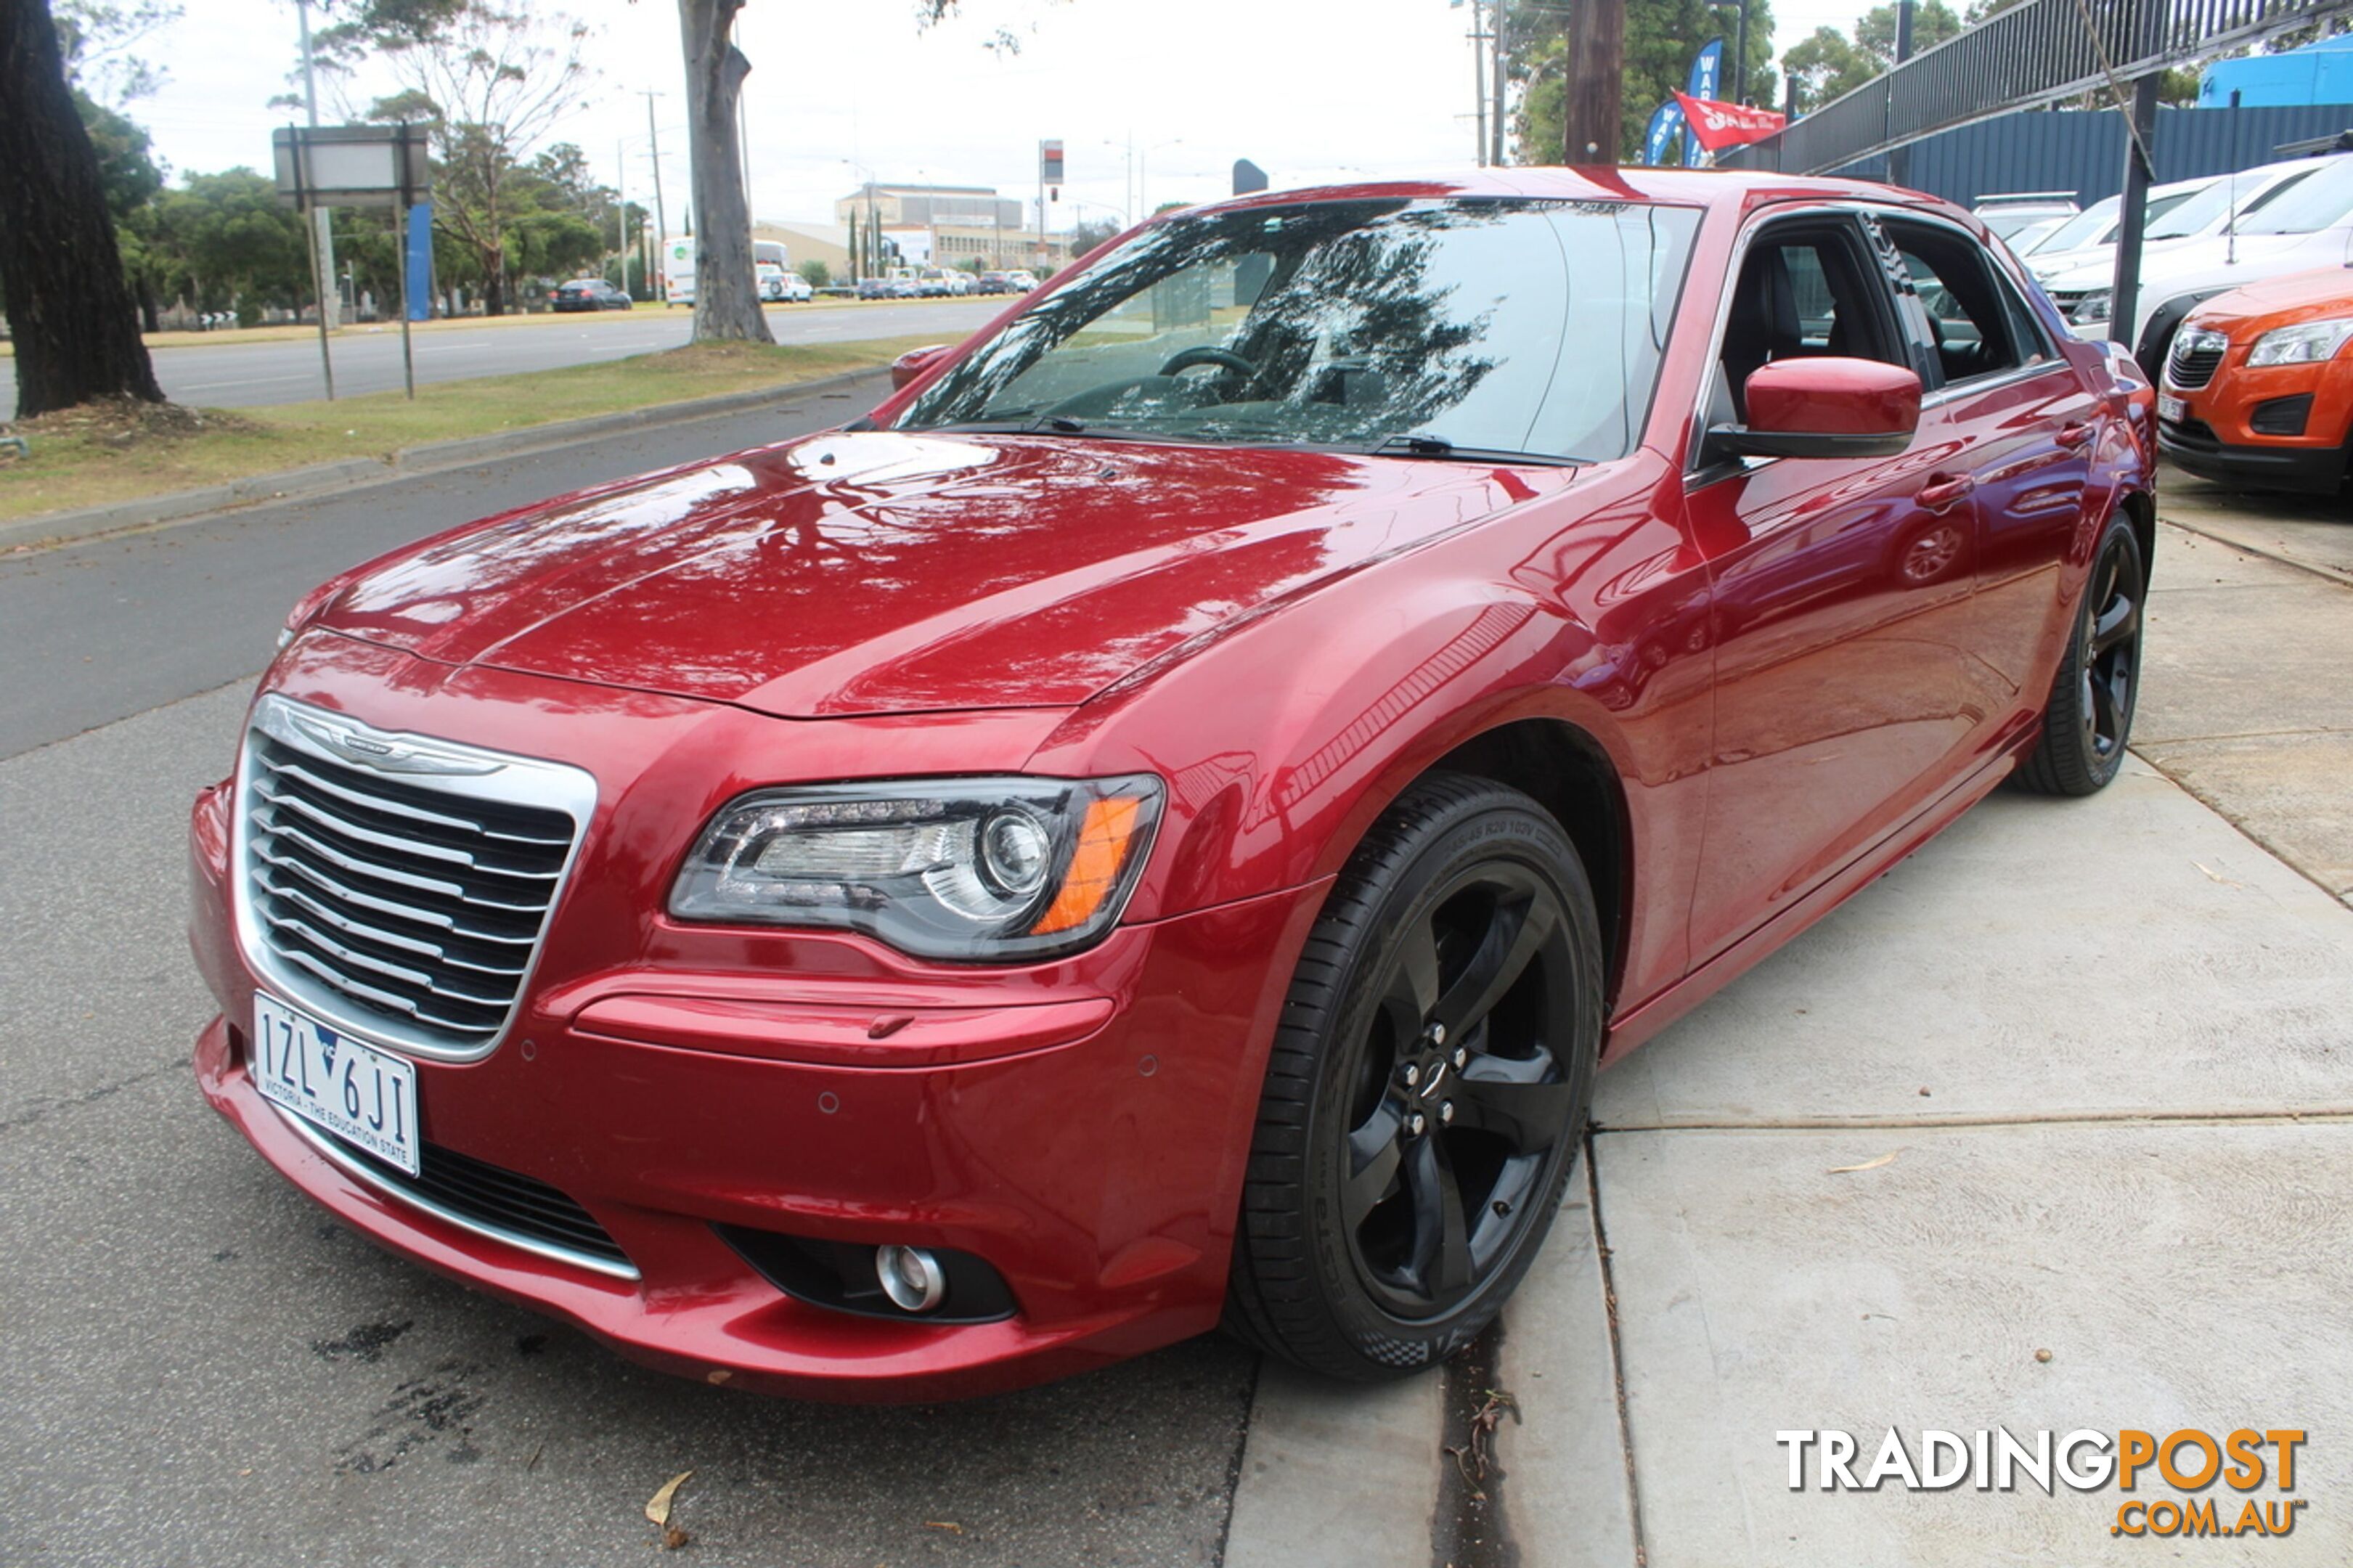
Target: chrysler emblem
[386,755]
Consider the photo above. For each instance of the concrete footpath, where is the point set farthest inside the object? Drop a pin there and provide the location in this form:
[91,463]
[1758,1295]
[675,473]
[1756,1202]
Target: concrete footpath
[2046,1130]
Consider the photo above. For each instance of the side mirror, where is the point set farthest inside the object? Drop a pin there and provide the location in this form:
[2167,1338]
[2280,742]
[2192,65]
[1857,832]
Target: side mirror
[1823,408]
[915,362]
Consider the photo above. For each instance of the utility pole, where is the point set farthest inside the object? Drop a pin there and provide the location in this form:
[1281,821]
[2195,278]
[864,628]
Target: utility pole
[322,220]
[1495,76]
[621,207]
[1479,82]
[1740,56]
[1596,72]
[661,218]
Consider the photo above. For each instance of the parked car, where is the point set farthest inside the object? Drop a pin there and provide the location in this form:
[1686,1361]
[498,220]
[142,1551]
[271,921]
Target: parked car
[778,286]
[2091,234]
[1024,280]
[587,294]
[2298,221]
[2258,392]
[995,282]
[2023,241]
[942,282]
[1158,824]
[2006,214]
[874,287]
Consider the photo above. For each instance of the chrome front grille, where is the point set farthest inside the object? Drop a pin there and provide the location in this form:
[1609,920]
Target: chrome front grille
[2196,356]
[396,885]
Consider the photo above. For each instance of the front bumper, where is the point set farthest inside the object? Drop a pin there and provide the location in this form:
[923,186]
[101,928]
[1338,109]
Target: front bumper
[2303,467]
[1079,1126]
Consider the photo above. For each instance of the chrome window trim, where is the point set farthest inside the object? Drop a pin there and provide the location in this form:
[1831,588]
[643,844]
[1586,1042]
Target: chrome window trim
[459,770]
[1982,383]
[327,1147]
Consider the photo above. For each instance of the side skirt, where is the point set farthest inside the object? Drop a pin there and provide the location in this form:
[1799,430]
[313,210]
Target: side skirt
[1646,1019]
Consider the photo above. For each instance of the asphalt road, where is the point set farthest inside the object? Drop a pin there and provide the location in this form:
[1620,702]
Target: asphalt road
[367,359]
[201,1369]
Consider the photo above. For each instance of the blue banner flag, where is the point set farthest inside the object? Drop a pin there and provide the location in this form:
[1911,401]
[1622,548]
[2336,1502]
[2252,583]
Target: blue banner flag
[1707,70]
[420,262]
[1665,120]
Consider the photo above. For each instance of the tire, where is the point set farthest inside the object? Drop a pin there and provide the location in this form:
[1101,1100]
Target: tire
[2088,722]
[1401,1181]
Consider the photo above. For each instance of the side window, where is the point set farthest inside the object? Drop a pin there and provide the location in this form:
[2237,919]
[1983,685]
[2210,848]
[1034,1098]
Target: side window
[1972,323]
[1805,288]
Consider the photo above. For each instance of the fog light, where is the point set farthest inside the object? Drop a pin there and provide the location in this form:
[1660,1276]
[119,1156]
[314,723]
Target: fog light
[911,1277]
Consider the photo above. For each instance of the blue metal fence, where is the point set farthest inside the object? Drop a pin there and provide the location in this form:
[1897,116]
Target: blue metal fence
[2084,152]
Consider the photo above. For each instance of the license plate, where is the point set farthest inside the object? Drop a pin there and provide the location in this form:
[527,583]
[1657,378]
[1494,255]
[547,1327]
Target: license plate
[360,1094]
[2171,407]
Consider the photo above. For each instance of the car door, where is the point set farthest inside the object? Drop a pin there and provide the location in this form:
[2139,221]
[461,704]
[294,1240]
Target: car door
[2027,423]
[1840,701]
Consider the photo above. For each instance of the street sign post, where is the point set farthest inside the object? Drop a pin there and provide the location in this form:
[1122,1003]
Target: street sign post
[321,167]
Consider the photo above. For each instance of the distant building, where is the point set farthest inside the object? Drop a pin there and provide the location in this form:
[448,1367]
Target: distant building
[946,225]
[2316,73]
[826,242]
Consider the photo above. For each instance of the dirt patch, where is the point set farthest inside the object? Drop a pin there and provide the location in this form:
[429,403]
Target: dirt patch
[126,423]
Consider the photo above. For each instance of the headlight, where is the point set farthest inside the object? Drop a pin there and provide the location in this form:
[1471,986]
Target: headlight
[306,610]
[2303,343]
[956,868]
[2093,307]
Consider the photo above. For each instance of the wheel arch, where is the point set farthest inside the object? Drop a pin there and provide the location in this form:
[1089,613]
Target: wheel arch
[1567,771]
[2141,508]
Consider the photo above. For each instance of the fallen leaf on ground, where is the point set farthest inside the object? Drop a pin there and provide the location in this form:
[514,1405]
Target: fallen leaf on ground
[1866,1165]
[658,1506]
[948,1524]
[2213,874]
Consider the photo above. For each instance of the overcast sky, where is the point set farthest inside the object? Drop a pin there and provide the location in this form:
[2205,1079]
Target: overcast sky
[1307,89]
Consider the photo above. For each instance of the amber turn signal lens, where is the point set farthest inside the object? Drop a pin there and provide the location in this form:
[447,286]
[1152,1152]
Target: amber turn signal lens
[1104,838]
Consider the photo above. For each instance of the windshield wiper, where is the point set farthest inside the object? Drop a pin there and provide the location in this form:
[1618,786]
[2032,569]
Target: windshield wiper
[1440,447]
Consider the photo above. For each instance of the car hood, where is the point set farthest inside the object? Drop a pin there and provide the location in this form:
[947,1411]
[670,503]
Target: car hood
[2280,301]
[881,572]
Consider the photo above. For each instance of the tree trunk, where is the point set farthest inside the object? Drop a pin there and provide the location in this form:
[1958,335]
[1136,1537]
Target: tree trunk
[69,308]
[1593,107]
[726,293]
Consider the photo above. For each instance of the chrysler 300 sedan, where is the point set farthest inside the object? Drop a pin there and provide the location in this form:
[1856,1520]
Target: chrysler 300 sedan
[1158,825]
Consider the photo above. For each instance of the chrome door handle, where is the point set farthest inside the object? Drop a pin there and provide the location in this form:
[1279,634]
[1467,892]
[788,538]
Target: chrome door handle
[1943,490]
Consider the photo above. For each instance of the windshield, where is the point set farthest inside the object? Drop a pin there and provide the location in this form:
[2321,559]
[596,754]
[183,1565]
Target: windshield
[1494,326]
[2251,189]
[2317,203]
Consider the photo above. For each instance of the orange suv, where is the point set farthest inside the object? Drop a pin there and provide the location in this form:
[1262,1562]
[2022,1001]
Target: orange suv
[2256,391]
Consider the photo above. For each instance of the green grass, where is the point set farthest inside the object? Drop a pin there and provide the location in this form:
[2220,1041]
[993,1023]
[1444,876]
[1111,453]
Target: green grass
[90,457]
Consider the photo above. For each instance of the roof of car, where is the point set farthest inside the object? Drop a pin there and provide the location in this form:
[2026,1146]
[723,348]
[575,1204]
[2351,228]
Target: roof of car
[1695,187]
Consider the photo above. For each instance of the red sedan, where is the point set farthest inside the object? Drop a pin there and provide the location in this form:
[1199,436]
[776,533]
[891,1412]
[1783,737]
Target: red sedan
[1158,824]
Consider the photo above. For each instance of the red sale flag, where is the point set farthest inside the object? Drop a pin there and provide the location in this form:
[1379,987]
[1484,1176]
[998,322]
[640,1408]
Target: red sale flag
[1715,126]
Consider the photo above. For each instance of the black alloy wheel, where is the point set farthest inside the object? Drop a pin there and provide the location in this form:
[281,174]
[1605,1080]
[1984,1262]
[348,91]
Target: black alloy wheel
[1429,1087]
[2088,722]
